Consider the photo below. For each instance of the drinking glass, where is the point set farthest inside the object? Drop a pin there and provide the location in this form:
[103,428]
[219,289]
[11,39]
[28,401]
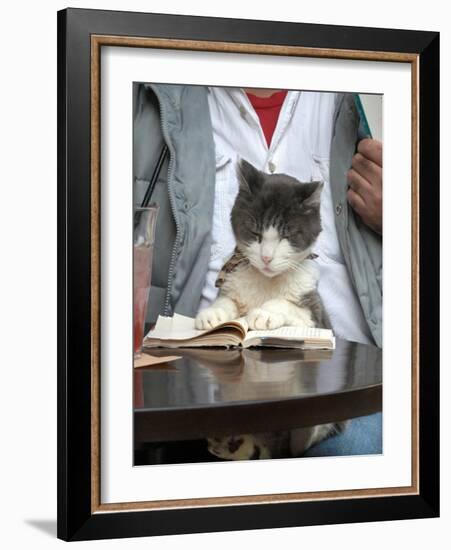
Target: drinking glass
[144,221]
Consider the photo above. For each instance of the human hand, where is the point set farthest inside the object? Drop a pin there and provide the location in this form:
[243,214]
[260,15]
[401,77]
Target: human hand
[365,181]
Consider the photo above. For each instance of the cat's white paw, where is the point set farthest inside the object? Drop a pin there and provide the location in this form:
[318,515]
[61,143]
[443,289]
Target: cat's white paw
[211,318]
[261,319]
[303,319]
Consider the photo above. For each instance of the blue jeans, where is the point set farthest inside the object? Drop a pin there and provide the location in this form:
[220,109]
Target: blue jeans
[362,436]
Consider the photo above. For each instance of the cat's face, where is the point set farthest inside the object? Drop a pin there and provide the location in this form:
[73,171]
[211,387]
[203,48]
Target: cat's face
[275,219]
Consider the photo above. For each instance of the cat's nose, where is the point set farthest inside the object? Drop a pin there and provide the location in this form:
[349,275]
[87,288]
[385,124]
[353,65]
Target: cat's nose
[266,259]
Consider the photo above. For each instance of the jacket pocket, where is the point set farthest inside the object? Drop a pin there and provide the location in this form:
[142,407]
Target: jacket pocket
[226,189]
[320,168]
[327,245]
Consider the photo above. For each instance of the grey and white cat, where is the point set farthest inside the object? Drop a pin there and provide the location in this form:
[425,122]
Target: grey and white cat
[276,221]
[271,281]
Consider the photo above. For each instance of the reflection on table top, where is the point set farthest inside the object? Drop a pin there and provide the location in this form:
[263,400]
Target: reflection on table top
[218,377]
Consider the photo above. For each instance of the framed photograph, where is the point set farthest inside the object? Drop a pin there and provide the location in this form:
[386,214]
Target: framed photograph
[248,274]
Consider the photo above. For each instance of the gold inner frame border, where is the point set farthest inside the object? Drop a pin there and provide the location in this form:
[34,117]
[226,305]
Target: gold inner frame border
[97,41]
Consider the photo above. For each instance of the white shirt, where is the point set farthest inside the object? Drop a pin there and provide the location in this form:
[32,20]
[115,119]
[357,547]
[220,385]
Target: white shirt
[300,147]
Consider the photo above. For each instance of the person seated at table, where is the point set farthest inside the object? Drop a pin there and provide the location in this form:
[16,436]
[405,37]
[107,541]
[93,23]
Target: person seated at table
[309,135]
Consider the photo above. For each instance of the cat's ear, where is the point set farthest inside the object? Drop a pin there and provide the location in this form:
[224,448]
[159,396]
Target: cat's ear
[312,194]
[249,178]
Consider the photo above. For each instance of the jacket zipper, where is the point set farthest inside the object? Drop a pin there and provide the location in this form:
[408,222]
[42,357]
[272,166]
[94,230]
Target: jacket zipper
[165,133]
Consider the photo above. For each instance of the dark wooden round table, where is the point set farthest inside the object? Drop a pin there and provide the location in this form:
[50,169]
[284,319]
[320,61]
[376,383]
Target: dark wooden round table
[216,392]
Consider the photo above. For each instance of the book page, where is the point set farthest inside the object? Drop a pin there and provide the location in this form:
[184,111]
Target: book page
[180,327]
[291,333]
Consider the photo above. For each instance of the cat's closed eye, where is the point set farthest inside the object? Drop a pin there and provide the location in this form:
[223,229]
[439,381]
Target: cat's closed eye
[255,235]
[293,231]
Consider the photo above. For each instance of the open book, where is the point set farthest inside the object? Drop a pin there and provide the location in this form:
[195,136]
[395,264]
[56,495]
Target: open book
[180,332]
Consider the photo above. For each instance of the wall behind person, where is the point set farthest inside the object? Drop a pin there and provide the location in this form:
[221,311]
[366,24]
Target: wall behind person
[373,105]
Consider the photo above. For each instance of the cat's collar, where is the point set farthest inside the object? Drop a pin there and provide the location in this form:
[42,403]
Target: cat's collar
[237,259]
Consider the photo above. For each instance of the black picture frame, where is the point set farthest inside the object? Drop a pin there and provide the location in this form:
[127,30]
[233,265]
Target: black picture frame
[76,518]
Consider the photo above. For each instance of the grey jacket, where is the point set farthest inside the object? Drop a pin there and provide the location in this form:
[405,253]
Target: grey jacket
[179,116]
